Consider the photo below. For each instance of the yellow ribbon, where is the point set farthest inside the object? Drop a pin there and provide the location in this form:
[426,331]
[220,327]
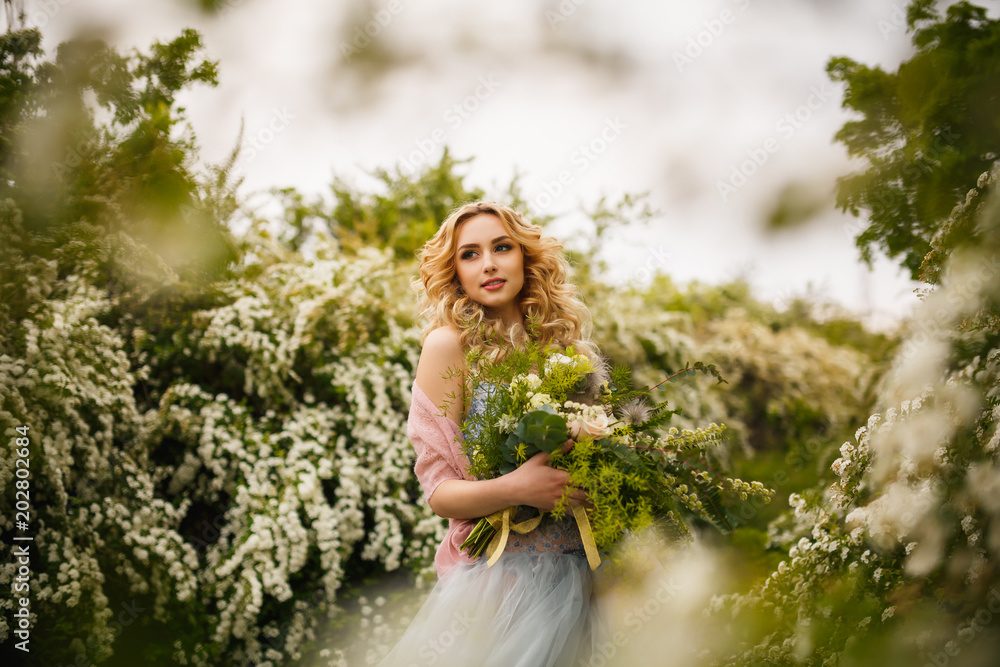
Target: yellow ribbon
[587,536]
[501,522]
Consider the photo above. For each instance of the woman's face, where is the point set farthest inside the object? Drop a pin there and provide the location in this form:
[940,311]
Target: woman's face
[488,254]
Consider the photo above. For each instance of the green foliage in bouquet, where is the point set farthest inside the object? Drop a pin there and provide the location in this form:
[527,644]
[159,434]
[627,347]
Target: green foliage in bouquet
[539,430]
[606,433]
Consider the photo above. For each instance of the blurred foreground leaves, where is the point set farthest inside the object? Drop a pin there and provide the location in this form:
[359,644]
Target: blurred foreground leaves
[927,131]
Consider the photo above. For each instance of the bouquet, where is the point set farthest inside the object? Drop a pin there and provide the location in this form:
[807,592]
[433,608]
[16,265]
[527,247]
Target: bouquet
[607,435]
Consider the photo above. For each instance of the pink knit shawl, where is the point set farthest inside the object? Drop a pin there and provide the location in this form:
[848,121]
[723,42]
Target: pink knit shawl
[437,440]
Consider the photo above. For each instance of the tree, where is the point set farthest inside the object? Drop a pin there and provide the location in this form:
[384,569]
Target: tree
[927,130]
[402,217]
[109,187]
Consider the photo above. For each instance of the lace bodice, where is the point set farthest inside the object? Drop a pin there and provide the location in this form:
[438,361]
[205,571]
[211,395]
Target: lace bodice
[481,392]
[551,535]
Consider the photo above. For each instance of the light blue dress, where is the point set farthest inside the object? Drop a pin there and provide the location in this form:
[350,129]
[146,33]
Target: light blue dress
[532,608]
[480,395]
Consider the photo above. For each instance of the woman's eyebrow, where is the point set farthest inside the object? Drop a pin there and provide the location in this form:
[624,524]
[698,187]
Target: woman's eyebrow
[476,245]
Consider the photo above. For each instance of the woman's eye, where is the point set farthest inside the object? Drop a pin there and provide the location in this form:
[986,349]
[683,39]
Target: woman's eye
[468,253]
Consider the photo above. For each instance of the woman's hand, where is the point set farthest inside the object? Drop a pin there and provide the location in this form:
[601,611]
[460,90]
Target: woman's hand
[538,484]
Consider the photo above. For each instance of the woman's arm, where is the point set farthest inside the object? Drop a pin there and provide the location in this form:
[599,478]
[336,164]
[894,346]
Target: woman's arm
[535,483]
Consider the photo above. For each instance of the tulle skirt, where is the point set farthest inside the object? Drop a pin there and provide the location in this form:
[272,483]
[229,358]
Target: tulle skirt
[530,609]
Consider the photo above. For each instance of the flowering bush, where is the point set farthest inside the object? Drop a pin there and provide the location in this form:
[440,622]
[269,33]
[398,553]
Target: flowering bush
[233,508]
[912,517]
[787,384]
[305,459]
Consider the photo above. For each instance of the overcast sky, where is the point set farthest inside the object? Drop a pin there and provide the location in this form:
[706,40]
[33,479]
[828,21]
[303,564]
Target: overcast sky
[712,107]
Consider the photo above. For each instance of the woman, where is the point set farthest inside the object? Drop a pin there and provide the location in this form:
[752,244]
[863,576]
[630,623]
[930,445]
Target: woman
[488,277]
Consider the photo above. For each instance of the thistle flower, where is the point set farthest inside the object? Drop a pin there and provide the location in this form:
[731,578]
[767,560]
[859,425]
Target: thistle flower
[635,412]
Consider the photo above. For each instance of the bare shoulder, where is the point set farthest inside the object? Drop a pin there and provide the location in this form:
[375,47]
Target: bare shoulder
[441,369]
[443,346]
[444,335]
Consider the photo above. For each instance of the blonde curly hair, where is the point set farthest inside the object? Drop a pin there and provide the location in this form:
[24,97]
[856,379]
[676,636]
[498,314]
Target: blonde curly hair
[550,306]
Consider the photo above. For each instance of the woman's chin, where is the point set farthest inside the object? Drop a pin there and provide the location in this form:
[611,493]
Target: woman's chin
[492,300]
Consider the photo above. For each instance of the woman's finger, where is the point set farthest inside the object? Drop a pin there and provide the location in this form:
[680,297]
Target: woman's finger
[542,458]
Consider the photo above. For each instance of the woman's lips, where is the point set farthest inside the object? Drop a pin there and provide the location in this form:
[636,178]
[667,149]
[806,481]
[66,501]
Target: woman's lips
[492,287]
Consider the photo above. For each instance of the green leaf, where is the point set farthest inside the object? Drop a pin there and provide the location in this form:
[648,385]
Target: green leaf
[544,428]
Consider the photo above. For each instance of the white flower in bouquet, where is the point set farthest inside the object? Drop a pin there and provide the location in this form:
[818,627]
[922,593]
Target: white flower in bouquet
[578,362]
[527,383]
[533,381]
[538,400]
[507,423]
[554,359]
